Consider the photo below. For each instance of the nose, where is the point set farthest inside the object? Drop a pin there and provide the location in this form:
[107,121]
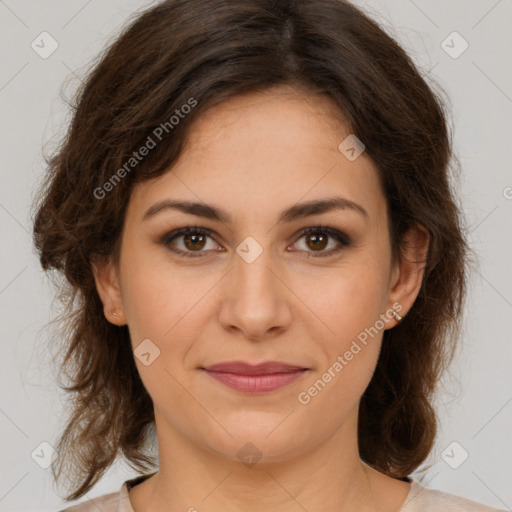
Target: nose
[254,300]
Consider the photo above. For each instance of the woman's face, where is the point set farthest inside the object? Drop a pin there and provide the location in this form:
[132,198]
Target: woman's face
[252,287]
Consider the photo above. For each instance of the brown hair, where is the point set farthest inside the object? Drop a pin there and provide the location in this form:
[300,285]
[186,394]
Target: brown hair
[206,51]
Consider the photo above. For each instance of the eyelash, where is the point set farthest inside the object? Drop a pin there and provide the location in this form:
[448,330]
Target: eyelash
[333,233]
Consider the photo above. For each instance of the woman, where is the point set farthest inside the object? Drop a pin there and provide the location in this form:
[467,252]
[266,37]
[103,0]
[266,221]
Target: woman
[265,263]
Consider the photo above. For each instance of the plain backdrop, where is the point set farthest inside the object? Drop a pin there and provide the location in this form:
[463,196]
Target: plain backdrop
[475,400]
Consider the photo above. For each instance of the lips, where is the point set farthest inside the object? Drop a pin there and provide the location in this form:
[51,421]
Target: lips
[260,378]
[243,368]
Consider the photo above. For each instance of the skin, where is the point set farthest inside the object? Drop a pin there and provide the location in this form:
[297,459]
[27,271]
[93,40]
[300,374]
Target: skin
[254,156]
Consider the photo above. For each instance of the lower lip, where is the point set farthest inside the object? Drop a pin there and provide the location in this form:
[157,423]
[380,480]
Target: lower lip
[256,383]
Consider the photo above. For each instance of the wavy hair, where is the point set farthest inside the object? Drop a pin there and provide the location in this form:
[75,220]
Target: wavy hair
[212,50]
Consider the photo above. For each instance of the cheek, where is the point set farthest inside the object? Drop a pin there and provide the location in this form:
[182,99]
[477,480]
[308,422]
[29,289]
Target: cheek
[347,361]
[170,307]
[157,296]
[346,299]
[162,307]
[349,303]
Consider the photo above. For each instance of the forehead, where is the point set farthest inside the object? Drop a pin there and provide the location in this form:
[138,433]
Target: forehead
[259,153]
[279,118]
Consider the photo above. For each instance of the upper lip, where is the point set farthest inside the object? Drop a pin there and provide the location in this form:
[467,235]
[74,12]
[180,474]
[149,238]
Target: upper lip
[243,368]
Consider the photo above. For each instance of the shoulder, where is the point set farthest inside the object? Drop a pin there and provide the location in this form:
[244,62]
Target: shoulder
[422,499]
[113,502]
[105,503]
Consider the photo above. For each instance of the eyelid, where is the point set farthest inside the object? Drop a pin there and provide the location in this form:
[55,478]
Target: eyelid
[333,232]
[176,233]
[342,239]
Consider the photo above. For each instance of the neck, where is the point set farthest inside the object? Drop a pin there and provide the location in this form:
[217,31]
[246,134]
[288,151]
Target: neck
[330,476]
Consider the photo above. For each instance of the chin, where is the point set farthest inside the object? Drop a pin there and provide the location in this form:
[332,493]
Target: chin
[263,445]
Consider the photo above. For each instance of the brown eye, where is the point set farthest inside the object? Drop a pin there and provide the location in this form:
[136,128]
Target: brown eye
[194,241]
[190,241]
[317,239]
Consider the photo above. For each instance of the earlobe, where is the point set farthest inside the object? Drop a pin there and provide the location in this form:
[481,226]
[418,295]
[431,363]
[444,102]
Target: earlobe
[107,285]
[408,274]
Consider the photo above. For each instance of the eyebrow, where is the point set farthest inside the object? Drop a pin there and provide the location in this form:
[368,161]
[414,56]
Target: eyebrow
[297,211]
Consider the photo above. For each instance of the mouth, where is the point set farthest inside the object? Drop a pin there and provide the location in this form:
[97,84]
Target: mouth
[253,379]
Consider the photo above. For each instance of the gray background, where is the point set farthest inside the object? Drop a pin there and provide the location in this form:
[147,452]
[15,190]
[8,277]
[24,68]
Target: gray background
[475,399]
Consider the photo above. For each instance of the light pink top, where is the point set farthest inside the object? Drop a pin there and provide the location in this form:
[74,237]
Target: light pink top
[420,499]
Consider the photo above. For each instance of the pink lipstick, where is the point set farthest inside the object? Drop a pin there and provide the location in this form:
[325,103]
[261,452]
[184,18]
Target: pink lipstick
[260,378]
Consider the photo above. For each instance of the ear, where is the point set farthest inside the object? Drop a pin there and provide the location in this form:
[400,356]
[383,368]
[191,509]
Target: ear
[107,284]
[407,275]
